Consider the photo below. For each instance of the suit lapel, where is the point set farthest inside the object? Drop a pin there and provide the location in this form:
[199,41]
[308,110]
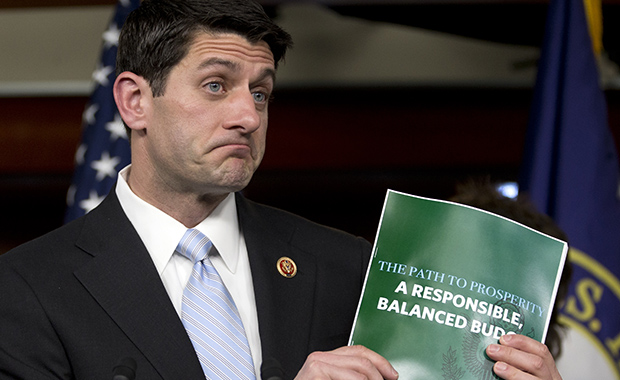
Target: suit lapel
[284,305]
[123,279]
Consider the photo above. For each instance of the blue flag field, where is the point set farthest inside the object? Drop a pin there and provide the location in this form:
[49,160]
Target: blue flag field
[570,171]
[104,148]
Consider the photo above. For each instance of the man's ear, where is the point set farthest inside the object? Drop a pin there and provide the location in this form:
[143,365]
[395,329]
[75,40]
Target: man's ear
[133,98]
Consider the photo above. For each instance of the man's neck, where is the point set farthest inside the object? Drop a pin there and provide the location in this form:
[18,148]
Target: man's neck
[188,208]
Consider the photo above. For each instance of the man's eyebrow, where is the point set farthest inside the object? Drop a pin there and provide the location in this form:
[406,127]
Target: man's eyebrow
[215,61]
[234,66]
[267,74]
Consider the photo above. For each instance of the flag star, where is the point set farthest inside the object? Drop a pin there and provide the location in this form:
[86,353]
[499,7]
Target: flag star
[80,154]
[71,195]
[93,201]
[88,117]
[110,36]
[105,166]
[116,128]
[101,74]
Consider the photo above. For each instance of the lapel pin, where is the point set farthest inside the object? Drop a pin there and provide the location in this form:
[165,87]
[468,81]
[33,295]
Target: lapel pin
[286,267]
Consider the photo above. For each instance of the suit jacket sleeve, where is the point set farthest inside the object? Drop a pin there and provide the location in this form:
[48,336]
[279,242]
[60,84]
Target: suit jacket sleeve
[29,347]
[314,310]
[76,301]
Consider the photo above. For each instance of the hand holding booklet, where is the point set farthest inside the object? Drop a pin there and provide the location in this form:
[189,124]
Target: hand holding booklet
[446,280]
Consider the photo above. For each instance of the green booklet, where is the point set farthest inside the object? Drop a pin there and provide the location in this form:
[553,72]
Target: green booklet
[446,280]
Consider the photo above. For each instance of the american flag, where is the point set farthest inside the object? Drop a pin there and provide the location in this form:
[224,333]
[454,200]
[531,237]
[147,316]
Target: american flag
[104,148]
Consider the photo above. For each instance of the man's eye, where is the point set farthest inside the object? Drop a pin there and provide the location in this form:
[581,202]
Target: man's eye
[214,86]
[259,97]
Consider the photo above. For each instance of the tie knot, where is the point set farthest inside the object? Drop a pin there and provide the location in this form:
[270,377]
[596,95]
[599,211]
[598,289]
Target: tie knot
[194,245]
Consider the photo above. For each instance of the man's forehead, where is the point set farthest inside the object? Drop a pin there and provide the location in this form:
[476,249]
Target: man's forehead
[206,44]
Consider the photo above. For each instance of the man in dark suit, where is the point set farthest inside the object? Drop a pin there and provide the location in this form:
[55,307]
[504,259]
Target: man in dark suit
[194,80]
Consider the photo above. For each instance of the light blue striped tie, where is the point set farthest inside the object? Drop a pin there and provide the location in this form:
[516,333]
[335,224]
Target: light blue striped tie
[210,316]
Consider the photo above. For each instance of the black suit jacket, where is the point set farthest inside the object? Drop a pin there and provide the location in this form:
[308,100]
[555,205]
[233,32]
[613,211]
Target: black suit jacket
[77,300]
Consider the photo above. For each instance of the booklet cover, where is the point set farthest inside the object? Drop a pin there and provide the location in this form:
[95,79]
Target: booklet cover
[446,280]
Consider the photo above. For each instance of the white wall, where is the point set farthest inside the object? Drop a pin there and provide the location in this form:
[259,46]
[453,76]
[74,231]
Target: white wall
[51,51]
[330,48]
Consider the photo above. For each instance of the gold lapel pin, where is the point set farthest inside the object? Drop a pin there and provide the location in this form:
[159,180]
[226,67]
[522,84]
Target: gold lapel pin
[286,267]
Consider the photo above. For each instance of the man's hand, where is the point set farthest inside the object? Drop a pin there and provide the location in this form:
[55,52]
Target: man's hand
[351,362]
[521,358]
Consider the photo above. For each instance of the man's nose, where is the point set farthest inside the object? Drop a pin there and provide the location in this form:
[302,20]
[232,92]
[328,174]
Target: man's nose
[243,112]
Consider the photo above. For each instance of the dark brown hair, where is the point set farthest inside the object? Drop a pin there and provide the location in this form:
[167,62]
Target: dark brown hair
[157,35]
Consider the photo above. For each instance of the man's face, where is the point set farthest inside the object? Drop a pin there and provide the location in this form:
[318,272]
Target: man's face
[206,134]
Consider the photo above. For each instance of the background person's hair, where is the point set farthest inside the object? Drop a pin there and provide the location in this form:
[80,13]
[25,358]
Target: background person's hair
[157,35]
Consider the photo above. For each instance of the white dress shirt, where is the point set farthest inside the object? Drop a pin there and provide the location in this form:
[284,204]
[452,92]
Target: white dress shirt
[161,233]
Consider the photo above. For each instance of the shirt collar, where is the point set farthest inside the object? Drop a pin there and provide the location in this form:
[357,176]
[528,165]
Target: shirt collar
[161,233]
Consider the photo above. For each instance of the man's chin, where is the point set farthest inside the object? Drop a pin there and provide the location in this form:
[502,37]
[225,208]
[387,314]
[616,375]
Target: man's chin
[237,183]
[233,175]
